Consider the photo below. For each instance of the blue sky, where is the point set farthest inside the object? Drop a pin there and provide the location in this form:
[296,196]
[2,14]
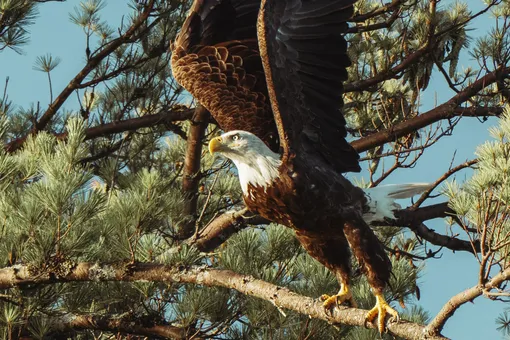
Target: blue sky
[442,278]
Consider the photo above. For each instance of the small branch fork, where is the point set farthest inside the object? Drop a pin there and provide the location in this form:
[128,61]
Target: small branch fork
[279,296]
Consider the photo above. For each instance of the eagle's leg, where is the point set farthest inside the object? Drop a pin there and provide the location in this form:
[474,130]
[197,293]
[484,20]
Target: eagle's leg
[375,264]
[344,294]
[381,309]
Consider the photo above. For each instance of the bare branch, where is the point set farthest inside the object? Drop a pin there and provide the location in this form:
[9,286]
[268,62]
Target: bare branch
[395,4]
[279,296]
[413,58]
[413,218]
[166,117]
[437,324]
[229,223]
[443,178]
[478,111]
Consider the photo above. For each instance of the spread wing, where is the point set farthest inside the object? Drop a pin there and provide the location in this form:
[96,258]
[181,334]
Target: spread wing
[216,58]
[304,55]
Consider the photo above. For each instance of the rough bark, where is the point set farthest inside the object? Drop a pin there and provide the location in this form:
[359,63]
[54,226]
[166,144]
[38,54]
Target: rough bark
[279,296]
[190,179]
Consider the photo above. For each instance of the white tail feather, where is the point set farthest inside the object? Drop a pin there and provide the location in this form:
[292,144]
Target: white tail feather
[381,199]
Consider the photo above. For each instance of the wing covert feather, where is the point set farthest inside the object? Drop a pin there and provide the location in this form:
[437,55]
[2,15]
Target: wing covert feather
[216,58]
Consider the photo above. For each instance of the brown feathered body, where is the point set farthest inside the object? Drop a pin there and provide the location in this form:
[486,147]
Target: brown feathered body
[325,210]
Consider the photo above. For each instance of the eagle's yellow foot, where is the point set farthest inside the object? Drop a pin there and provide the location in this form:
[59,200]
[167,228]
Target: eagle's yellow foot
[381,309]
[329,302]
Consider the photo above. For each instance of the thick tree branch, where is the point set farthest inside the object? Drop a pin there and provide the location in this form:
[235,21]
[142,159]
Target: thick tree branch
[279,296]
[449,242]
[126,325]
[443,111]
[437,324]
[479,111]
[190,178]
[92,63]
[418,215]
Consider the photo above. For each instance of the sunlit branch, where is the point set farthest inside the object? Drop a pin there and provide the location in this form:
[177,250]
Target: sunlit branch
[279,296]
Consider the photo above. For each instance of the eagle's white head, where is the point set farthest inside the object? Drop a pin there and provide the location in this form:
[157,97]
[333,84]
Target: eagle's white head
[255,162]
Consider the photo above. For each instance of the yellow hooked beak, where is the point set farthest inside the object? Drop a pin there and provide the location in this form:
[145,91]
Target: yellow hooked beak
[215,145]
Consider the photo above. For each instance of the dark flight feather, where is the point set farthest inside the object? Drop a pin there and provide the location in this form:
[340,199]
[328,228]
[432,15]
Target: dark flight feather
[297,36]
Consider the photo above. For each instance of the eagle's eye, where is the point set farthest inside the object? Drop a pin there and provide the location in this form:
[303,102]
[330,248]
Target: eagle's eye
[235,138]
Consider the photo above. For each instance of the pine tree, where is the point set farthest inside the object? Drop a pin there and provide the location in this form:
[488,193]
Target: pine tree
[116,222]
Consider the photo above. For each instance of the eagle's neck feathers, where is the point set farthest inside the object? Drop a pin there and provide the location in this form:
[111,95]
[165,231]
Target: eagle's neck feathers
[257,169]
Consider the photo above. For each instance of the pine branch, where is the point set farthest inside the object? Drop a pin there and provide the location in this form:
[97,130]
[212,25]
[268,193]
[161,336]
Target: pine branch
[437,324]
[446,110]
[165,117]
[388,7]
[224,226]
[365,84]
[413,218]
[192,159]
[92,63]
[279,296]
[115,324]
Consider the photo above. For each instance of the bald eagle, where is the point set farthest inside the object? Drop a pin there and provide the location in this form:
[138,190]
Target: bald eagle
[271,74]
